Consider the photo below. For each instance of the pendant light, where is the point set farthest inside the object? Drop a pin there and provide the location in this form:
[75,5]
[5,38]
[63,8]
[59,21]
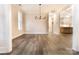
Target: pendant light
[39,11]
[40,16]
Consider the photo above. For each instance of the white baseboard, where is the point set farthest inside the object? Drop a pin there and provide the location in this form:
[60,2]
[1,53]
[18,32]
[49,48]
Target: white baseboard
[36,33]
[17,36]
[75,50]
[5,50]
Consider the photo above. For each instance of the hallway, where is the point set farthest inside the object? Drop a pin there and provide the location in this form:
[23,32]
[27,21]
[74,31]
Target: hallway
[40,44]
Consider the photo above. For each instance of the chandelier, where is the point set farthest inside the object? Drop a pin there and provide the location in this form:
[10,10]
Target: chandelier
[40,15]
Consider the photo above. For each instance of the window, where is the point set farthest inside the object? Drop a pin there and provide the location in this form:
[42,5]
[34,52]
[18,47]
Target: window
[19,21]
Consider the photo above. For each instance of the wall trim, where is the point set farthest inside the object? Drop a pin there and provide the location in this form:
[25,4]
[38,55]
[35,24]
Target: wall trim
[75,50]
[17,36]
[5,50]
[36,33]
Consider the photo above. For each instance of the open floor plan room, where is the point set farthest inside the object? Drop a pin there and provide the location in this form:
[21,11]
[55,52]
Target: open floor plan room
[39,29]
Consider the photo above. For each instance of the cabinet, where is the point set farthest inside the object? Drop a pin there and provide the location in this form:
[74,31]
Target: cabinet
[66,30]
[66,25]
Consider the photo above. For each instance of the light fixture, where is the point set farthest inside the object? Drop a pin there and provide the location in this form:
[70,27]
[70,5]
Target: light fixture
[19,4]
[40,16]
[40,11]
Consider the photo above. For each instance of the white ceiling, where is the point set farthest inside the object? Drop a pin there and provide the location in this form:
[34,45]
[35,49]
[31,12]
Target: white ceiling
[45,8]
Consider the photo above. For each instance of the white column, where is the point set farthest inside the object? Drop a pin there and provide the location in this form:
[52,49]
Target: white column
[50,21]
[5,29]
[56,24]
[75,20]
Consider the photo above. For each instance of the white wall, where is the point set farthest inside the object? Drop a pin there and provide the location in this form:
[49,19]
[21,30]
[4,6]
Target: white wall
[35,26]
[50,22]
[15,30]
[75,19]
[5,29]
[56,24]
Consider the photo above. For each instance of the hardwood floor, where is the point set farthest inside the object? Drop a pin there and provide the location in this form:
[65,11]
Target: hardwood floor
[42,45]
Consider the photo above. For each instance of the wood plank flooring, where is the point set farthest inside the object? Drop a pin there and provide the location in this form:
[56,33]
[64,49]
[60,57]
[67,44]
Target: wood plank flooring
[40,44]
